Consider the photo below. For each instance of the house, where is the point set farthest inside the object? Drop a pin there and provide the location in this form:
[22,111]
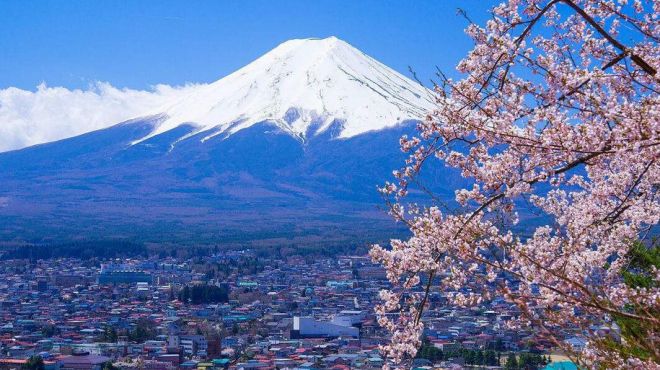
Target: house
[84,362]
[13,363]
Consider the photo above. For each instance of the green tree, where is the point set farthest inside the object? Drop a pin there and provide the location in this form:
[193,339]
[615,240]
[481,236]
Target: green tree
[511,362]
[490,358]
[203,293]
[33,363]
[49,330]
[184,294]
[109,335]
[109,366]
[145,329]
[429,352]
[530,361]
[469,357]
[478,358]
[636,333]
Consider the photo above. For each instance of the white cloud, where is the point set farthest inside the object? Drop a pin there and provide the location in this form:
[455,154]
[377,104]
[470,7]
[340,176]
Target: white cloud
[54,113]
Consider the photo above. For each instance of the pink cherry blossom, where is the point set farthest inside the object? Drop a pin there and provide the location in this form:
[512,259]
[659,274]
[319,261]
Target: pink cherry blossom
[557,112]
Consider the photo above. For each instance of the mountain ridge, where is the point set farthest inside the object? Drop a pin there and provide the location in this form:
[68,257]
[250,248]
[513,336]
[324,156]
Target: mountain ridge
[289,178]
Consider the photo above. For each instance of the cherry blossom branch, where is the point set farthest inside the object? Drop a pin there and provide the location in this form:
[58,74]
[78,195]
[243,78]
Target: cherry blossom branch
[580,117]
[635,58]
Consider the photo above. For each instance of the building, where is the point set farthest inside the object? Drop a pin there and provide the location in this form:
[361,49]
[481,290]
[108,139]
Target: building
[84,362]
[349,318]
[124,277]
[307,327]
[193,345]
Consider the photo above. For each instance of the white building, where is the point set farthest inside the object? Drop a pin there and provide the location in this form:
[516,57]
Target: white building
[193,345]
[349,318]
[307,327]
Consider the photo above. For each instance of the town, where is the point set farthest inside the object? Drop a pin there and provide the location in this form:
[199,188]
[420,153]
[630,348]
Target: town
[230,309]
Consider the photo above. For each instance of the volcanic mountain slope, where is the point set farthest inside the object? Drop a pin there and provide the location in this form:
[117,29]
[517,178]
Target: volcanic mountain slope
[286,150]
[303,87]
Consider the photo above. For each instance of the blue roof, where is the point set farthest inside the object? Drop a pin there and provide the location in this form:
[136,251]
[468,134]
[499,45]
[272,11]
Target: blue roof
[562,365]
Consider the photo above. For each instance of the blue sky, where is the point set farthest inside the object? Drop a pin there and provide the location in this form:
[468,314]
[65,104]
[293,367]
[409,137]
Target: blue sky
[137,44]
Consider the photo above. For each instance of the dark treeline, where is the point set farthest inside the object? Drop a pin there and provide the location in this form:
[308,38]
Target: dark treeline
[33,363]
[105,249]
[527,361]
[203,293]
[307,251]
[310,251]
[221,270]
[144,329]
[471,357]
[82,250]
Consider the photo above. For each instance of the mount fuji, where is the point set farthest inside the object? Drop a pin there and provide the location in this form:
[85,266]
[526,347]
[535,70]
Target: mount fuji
[303,87]
[288,149]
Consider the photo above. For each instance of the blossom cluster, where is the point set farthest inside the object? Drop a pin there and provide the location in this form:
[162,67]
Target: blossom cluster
[555,115]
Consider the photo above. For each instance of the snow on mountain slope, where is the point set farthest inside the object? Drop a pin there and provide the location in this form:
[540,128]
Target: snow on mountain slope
[303,86]
[252,183]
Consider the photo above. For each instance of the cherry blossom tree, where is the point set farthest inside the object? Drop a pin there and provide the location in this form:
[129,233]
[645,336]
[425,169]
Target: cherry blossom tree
[556,113]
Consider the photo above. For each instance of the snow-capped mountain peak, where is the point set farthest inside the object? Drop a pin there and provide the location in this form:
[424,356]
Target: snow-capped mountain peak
[202,180]
[303,86]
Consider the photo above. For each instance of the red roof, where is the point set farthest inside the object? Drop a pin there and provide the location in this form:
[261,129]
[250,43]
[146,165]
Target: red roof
[17,361]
